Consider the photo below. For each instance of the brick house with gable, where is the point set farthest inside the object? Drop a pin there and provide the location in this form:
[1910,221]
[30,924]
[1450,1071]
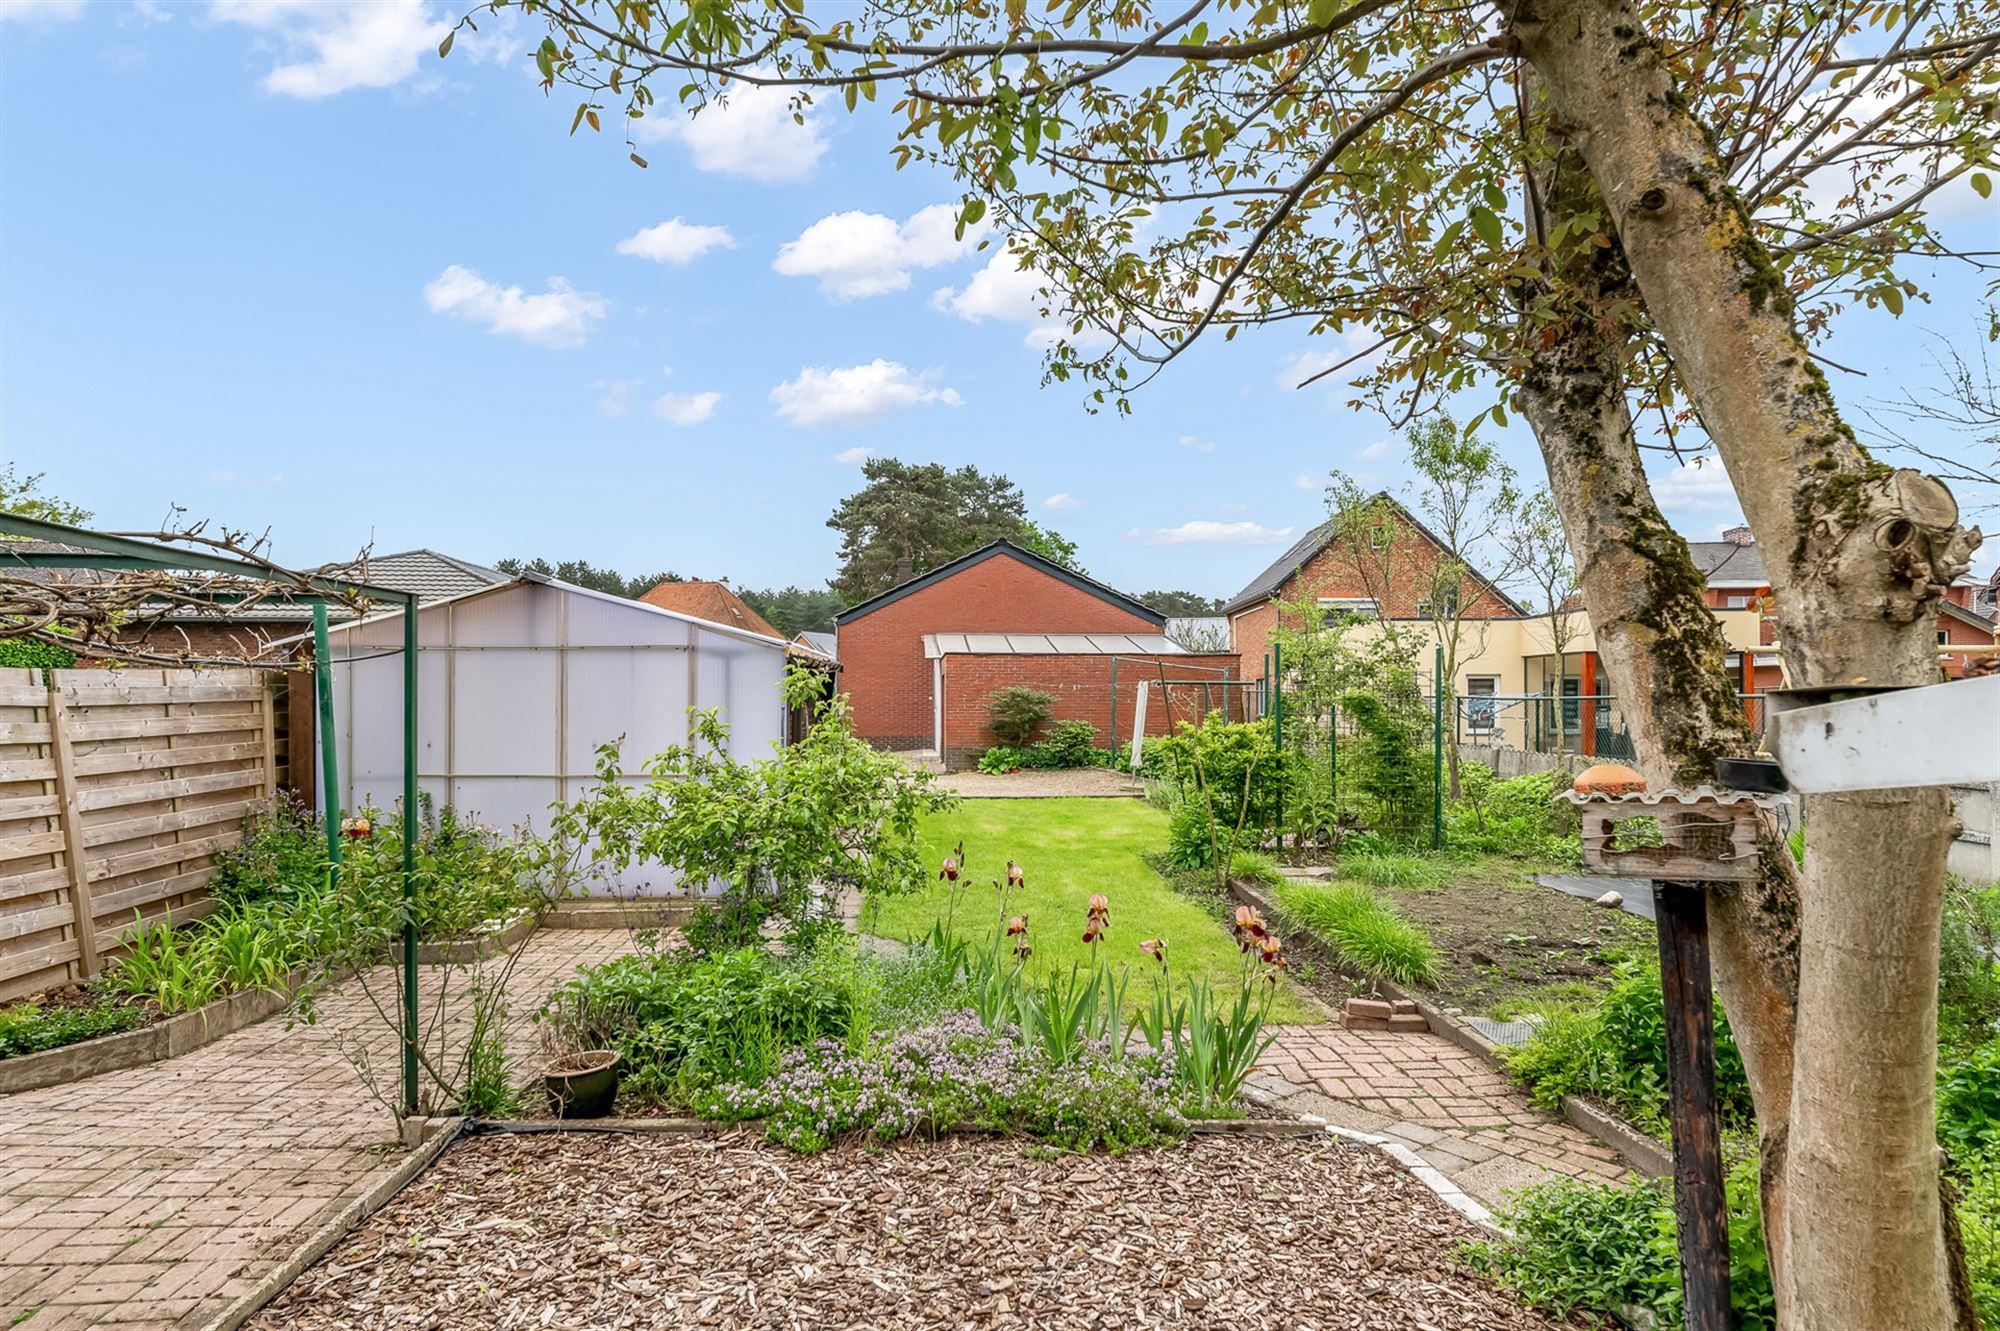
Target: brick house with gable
[1316,566]
[920,661]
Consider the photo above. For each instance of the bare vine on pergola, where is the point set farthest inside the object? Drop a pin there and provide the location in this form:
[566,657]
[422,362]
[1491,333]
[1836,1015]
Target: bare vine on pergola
[132,615]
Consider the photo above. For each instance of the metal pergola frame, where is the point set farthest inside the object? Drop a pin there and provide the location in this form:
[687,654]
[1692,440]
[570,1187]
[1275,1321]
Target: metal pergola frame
[101,550]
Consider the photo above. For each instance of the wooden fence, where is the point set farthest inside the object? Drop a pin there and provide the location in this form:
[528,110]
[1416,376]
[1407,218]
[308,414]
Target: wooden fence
[117,788]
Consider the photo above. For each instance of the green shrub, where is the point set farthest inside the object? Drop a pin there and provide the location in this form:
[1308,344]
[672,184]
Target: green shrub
[1069,744]
[29,1028]
[1968,977]
[1190,835]
[687,1023]
[1233,771]
[1616,1050]
[31,654]
[1979,1226]
[1968,1105]
[1519,817]
[1603,1247]
[1014,714]
[1363,931]
[1388,762]
[1004,758]
[281,857]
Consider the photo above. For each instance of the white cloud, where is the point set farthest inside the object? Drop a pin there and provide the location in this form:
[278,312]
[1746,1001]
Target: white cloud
[857,394]
[749,131]
[562,316]
[326,48]
[1374,452]
[1698,498]
[1213,533]
[1701,484]
[1061,500]
[856,254]
[1006,291]
[676,242]
[40,12]
[686,408]
[1350,349]
[614,396]
[1308,482]
[1197,445]
[853,457]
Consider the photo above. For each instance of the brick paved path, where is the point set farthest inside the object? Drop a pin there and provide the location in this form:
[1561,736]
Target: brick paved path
[150,1198]
[1466,1119]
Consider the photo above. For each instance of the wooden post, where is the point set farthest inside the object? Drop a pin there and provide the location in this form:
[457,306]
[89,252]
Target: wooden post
[72,821]
[301,716]
[1700,1207]
[268,704]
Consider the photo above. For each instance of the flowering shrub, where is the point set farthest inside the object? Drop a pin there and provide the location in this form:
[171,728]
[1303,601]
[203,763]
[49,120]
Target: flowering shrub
[955,1073]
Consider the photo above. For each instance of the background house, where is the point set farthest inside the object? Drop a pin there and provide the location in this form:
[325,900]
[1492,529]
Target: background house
[1318,566]
[921,661]
[711,601]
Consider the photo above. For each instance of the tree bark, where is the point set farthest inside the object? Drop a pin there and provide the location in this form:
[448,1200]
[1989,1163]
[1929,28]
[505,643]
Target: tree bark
[1660,643]
[1858,556]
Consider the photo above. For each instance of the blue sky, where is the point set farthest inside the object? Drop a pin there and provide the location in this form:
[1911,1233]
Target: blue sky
[279,265]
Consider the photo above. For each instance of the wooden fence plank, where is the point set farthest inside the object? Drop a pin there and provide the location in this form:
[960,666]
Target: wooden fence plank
[153,857]
[72,834]
[28,769]
[158,727]
[111,834]
[97,695]
[112,797]
[34,843]
[32,884]
[34,921]
[113,762]
[30,806]
[25,732]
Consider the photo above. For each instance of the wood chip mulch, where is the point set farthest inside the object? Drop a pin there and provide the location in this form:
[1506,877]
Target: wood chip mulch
[611,1231]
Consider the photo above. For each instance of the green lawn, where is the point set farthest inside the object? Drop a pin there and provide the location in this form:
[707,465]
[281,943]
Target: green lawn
[1069,849]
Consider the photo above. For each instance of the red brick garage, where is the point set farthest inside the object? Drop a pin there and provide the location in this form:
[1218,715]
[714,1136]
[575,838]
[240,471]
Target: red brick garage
[1093,677]
[1000,588]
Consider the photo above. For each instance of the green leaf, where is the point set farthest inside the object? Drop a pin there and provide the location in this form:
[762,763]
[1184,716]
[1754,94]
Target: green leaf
[1892,296]
[974,210]
[581,110]
[638,159]
[1487,223]
[444,47]
[1982,184]
[1320,12]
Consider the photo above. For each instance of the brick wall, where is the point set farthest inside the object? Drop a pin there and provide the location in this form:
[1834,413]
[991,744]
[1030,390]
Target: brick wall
[1957,633]
[882,660]
[1083,692]
[1333,573]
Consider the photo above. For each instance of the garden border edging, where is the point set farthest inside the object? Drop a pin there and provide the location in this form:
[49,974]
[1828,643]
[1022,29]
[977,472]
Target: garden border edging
[168,1038]
[1645,1155]
[344,1222]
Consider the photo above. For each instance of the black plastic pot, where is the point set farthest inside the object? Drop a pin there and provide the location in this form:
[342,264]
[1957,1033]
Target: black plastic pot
[583,1085]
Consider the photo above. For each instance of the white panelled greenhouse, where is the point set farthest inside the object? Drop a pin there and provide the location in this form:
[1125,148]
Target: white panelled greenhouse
[518,686]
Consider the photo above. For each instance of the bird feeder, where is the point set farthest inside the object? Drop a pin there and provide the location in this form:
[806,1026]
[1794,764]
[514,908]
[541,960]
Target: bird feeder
[1700,835]
[1687,843]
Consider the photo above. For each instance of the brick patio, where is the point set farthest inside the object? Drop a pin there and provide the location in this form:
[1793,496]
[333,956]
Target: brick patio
[1460,1115]
[152,1197]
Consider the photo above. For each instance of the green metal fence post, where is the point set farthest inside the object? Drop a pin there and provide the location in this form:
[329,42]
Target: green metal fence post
[410,828]
[1437,750]
[1278,727]
[329,756]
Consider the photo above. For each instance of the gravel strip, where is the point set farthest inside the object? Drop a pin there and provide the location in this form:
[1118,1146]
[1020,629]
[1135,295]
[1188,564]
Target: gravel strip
[592,1231]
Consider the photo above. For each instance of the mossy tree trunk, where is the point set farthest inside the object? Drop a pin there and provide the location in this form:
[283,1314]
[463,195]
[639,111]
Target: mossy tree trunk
[1858,557]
